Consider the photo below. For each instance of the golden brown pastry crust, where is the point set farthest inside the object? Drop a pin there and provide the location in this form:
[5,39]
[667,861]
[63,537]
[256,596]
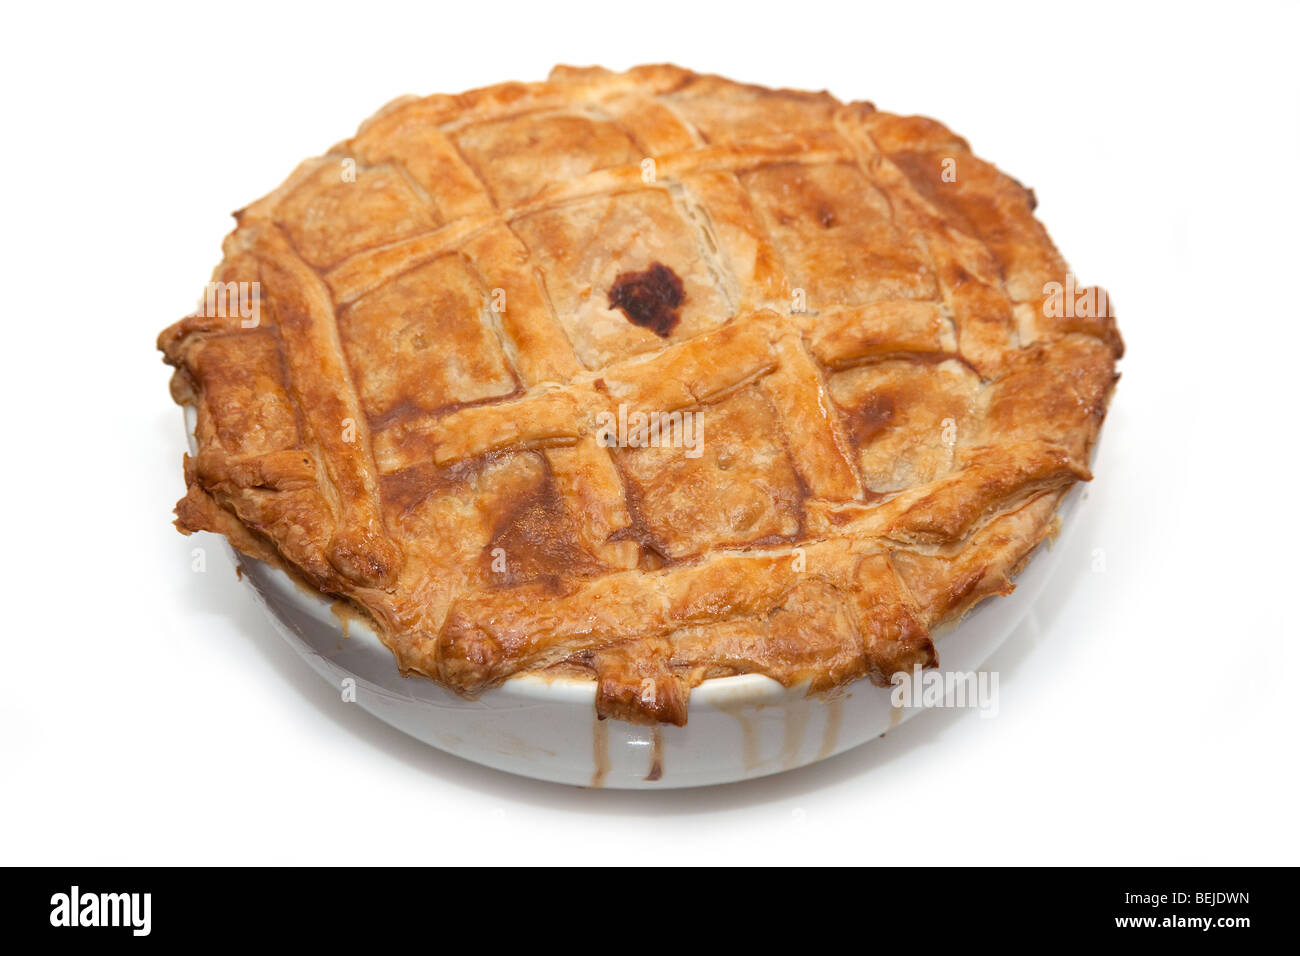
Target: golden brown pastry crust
[890,418]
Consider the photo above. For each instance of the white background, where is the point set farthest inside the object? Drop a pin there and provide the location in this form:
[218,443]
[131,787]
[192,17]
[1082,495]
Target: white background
[150,714]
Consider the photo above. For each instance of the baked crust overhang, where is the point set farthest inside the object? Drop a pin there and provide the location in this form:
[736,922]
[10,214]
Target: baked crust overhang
[890,415]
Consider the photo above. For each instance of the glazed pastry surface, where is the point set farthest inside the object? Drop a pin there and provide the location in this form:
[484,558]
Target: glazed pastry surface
[865,413]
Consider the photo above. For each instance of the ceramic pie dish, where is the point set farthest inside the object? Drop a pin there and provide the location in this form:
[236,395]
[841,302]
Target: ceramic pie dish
[655,390]
[740,728]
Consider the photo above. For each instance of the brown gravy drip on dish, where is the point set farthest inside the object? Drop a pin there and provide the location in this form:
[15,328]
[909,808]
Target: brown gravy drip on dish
[895,717]
[599,752]
[796,727]
[748,733]
[650,299]
[343,612]
[831,733]
[656,771]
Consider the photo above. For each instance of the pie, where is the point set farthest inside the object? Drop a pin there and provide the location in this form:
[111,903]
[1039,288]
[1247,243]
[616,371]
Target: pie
[651,377]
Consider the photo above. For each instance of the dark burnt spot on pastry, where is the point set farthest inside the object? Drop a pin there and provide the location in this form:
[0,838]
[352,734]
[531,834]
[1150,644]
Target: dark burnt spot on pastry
[959,276]
[871,418]
[534,543]
[826,216]
[650,299]
[405,490]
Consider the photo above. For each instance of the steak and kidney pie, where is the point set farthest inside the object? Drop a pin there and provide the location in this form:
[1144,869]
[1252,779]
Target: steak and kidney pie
[651,376]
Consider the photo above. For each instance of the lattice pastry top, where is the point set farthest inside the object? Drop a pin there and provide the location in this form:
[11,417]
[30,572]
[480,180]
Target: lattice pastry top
[651,375]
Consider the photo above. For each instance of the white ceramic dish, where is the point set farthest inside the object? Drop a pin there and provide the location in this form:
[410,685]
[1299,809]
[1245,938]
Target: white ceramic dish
[739,727]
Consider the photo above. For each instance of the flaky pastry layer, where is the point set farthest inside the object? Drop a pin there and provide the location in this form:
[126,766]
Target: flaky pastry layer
[411,410]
